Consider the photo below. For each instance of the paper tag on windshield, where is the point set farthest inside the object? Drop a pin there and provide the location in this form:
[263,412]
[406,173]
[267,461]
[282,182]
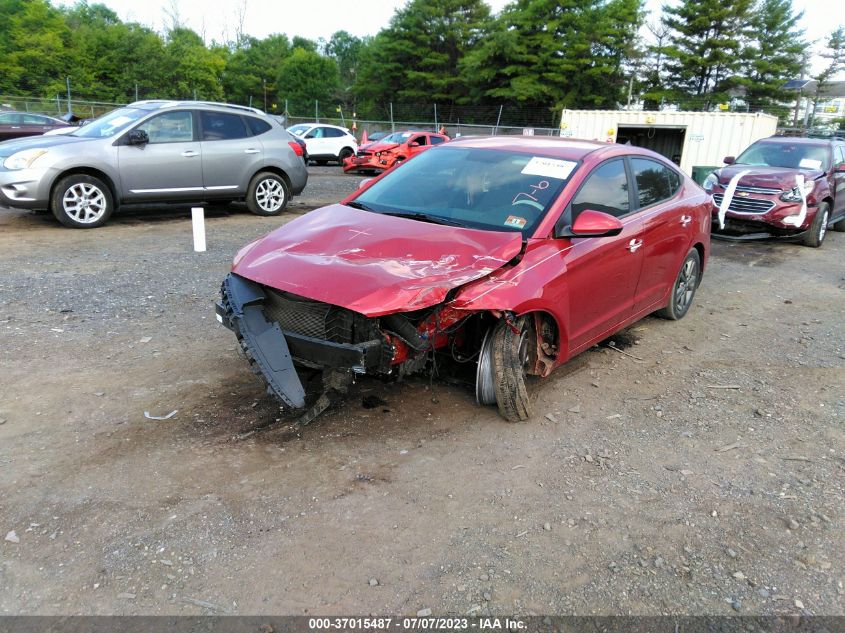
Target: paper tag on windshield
[515,221]
[549,167]
[809,163]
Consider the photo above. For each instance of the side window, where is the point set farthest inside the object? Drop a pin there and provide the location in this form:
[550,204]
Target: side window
[605,190]
[170,127]
[221,126]
[418,140]
[257,126]
[838,155]
[330,132]
[317,132]
[655,182]
[34,119]
[437,139]
[9,118]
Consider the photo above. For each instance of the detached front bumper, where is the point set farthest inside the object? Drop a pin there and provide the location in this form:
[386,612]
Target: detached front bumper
[274,351]
[367,163]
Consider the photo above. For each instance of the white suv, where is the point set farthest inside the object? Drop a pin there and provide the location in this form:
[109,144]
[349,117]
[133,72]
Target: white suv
[326,142]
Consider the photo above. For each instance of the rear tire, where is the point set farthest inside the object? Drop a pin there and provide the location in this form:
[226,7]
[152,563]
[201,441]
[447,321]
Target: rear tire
[818,229]
[345,153]
[683,290]
[80,201]
[512,352]
[267,194]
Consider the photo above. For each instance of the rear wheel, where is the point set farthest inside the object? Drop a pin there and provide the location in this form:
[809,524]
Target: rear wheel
[683,291]
[345,153]
[81,201]
[267,194]
[513,347]
[818,229]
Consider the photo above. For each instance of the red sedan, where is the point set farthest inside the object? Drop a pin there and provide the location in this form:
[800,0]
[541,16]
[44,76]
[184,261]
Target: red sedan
[512,253]
[392,150]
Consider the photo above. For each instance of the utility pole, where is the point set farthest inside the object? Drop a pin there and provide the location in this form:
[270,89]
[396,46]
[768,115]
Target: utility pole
[392,125]
[264,81]
[316,110]
[136,91]
[68,96]
[498,120]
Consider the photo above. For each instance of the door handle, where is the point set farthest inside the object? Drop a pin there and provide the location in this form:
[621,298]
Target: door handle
[685,220]
[251,150]
[190,153]
[634,245]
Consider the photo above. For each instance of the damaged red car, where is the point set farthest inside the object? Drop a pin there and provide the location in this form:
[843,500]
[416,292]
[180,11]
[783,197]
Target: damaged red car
[781,188]
[509,255]
[391,150]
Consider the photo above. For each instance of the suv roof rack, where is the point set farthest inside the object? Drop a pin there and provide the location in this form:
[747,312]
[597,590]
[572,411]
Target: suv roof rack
[169,103]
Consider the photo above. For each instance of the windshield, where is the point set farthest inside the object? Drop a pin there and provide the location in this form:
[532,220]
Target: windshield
[398,137]
[477,188]
[299,130]
[791,155]
[110,124]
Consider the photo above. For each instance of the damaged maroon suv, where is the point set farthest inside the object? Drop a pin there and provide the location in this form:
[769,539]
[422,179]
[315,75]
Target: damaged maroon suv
[780,187]
[507,255]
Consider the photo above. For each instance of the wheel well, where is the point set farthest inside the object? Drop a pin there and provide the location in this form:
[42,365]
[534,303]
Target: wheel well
[274,170]
[88,171]
[700,248]
[347,149]
[548,341]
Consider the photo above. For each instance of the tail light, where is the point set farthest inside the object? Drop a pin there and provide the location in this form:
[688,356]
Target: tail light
[296,147]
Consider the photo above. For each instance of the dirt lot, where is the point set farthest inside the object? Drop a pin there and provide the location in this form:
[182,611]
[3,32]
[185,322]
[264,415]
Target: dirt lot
[701,471]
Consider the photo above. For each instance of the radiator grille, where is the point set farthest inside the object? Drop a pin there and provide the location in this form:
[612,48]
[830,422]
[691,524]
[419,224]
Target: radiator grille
[745,205]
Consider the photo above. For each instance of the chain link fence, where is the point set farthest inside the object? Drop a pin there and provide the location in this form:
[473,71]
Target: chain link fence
[57,106]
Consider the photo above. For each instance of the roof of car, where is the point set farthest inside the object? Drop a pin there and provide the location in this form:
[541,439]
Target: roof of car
[547,145]
[157,104]
[313,123]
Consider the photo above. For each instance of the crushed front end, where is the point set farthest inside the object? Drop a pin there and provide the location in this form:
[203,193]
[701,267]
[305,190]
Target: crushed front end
[309,352]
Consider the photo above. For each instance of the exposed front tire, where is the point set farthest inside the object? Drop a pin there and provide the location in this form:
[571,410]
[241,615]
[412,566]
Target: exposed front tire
[683,290]
[80,201]
[818,229]
[513,347]
[267,194]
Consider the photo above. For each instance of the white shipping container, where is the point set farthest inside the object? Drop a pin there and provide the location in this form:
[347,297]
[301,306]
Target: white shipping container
[691,139]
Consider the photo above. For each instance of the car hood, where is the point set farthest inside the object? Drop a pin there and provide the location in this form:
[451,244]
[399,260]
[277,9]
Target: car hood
[372,263]
[7,148]
[767,177]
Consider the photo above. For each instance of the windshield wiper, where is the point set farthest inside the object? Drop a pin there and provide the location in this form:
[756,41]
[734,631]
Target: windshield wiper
[423,217]
[359,205]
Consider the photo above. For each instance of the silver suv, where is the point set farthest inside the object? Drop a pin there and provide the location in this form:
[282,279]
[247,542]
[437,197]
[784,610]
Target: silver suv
[155,151]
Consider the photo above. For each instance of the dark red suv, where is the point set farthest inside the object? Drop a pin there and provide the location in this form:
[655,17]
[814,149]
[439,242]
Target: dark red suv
[781,187]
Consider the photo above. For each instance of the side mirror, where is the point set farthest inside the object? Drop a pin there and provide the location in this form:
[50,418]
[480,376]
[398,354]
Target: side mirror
[840,168]
[591,223]
[729,160]
[138,137]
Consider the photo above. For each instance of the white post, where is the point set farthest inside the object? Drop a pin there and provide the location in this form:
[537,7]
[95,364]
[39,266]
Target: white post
[198,222]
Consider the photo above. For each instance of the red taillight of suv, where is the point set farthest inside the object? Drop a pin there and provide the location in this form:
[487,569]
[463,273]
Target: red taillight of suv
[297,148]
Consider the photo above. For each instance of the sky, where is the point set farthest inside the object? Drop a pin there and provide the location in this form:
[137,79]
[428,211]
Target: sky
[313,19]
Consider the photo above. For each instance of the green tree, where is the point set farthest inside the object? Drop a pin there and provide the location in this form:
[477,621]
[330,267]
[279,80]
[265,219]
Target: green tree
[774,56]
[252,70]
[345,49]
[415,58]
[34,41]
[556,54]
[191,68]
[305,77]
[704,55]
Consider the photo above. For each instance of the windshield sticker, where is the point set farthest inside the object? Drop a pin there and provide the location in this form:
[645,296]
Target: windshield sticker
[516,222]
[549,167]
[809,163]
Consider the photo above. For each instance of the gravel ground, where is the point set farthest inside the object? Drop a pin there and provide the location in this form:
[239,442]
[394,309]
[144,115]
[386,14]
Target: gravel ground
[699,472]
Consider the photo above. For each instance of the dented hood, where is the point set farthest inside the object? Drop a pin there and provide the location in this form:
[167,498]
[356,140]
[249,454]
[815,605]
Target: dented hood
[372,263]
[768,177]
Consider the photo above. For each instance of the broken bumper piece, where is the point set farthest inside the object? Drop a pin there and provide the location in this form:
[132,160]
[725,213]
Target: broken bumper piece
[273,351]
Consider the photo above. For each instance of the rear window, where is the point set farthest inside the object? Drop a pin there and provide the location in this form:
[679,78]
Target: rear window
[220,126]
[257,126]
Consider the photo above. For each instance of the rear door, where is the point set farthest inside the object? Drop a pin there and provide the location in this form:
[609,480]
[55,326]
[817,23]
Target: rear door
[667,228]
[602,272]
[230,154]
[167,168]
[10,125]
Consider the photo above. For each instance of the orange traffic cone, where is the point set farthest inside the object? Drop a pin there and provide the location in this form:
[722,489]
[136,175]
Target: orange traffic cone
[364,138]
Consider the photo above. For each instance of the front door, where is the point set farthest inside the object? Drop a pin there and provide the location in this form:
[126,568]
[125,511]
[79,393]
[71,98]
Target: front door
[838,181]
[169,166]
[601,273]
